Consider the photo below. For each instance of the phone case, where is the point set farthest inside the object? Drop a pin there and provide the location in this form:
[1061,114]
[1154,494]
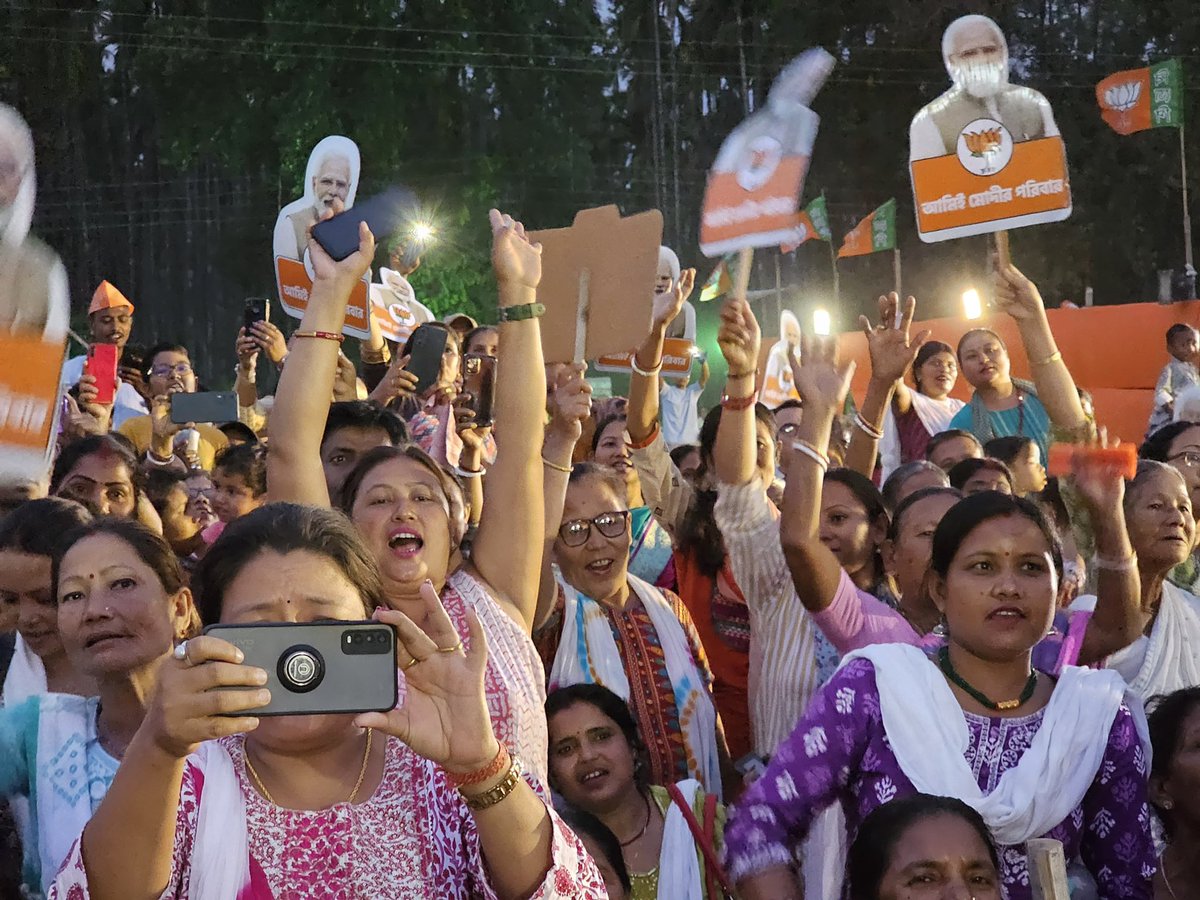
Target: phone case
[255,311]
[319,668]
[102,365]
[425,356]
[214,406]
[384,214]
[482,372]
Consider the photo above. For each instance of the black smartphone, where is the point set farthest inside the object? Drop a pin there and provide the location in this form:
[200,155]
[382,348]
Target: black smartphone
[479,384]
[212,406]
[384,214]
[425,351]
[254,311]
[315,668]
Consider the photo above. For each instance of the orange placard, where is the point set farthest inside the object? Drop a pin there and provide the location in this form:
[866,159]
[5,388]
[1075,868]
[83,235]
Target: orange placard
[676,359]
[1028,187]
[766,215]
[294,286]
[29,390]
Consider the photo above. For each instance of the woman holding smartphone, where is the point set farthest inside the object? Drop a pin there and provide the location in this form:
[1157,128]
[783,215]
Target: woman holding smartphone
[410,511]
[420,801]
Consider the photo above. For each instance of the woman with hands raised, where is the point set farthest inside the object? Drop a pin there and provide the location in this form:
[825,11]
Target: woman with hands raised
[410,511]
[422,800]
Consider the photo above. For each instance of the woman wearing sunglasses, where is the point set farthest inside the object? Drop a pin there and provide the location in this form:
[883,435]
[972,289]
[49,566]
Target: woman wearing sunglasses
[612,628]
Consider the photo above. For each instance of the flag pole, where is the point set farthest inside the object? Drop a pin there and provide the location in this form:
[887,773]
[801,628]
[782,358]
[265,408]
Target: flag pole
[896,269]
[1189,269]
[833,263]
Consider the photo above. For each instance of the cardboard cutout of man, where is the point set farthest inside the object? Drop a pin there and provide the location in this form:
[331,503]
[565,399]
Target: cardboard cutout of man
[778,383]
[395,303]
[684,325]
[975,52]
[331,174]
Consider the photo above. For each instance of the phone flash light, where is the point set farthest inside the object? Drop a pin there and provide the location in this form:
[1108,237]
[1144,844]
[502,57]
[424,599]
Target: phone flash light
[822,324]
[972,308]
[423,232]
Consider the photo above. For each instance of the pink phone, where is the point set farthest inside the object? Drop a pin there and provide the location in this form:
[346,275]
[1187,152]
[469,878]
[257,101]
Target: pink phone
[102,365]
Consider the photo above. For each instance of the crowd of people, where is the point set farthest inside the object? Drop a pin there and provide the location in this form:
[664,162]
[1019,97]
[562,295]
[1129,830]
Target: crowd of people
[850,646]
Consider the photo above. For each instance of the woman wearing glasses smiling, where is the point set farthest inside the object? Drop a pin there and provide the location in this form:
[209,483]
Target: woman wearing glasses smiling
[612,628]
[169,371]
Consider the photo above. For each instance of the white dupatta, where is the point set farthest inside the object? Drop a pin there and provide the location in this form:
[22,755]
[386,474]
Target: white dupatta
[935,415]
[587,654]
[678,858]
[1172,658]
[220,863]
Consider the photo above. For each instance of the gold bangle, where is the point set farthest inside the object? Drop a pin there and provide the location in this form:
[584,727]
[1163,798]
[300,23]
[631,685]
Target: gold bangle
[1054,357]
[375,357]
[555,466]
[495,795]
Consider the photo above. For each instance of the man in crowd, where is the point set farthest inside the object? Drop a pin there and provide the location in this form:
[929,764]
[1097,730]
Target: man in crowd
[353,428]
[169,371]
[679,406]
[110,321]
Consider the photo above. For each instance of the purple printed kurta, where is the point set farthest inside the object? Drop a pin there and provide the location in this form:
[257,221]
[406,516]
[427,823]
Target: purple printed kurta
[839,753]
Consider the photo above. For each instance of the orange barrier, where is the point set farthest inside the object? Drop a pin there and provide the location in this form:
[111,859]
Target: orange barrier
[1115,352]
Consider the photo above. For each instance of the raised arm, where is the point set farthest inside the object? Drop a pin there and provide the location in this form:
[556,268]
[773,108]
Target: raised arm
[1019,297]
[642,411]
[823,386]
[570,403]
[508,548]
[306,384]
[892,353]
[740,340]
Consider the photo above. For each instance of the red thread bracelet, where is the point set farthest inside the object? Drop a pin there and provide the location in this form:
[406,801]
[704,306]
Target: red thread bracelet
[479,776]
[645,442]
[324,335]
[733,404]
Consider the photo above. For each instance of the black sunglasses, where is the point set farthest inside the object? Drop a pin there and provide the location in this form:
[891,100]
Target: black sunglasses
[610,524]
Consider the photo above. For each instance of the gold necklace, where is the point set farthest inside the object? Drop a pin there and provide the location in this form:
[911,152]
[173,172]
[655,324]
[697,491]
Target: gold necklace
[1162,859]
[362,773]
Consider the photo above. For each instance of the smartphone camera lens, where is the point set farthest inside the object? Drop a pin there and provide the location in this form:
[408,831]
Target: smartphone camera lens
[301,669]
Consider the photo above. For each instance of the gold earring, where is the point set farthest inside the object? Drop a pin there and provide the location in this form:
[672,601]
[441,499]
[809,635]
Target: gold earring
[1168,804]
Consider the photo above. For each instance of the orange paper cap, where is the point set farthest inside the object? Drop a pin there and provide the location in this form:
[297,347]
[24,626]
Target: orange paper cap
[108,297]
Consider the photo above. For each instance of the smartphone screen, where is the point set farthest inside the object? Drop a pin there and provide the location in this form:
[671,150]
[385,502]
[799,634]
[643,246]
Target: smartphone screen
[102,365]
[319,667]
[425,351]
[385,214]
[479,384]
[255,311]
[214,406]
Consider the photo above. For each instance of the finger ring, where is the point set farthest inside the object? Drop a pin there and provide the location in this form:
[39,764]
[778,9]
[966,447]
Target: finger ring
[409,665]
[181,652]
[458,646]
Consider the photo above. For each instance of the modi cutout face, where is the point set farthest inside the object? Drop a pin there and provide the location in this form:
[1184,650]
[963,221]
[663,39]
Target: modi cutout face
[977,56]
[12,170]
[332,182]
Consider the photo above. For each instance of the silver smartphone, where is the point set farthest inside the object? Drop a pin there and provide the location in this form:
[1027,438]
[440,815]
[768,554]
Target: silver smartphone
[318,668]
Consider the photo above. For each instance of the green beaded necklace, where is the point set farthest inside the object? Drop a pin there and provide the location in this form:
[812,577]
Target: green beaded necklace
[1004,705]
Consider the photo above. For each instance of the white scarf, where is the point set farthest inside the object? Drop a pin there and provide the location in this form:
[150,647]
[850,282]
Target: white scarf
[935,415]
[26,675]
[587,654]
[220,863]
[1173,652]
[929,739]
[678,860]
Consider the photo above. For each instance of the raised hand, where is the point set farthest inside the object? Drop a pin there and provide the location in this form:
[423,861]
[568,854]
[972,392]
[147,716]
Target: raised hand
[247,350]
[515,260]
[271,340]
[351,269]
[398,382]
[1101,486]
[668,304]
[445,716]
[345,384]
[892,350]
[570,402]
[739,337]
[820,379]
[1015,294]
[186,710]
[474,437]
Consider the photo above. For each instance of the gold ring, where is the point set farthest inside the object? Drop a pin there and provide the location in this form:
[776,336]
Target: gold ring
[458,646]
[409,665]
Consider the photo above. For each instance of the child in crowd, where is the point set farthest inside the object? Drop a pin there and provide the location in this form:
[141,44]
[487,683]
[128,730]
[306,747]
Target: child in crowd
[1179,373]
[1023,457]
[239,485]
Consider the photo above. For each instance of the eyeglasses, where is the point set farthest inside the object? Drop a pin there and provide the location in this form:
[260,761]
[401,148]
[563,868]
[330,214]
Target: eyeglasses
[177,369]
[610,524]
[1189,458]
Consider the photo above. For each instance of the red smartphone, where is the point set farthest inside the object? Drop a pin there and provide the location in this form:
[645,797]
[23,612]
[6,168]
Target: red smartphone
[102,365]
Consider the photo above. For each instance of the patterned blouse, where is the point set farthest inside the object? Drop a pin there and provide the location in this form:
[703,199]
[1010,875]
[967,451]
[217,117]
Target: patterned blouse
[839,752]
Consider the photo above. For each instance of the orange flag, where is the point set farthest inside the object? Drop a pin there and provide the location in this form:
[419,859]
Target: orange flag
[1137,99]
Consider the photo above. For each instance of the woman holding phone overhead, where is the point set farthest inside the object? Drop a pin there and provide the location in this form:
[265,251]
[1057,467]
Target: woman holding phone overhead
[410,511]
[214,803]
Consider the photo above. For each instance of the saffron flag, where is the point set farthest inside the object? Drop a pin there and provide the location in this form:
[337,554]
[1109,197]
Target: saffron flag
[1137,99]
[874,233]
[811,222]
[718,283]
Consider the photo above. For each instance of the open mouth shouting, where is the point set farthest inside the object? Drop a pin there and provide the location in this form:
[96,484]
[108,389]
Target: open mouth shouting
[405,542]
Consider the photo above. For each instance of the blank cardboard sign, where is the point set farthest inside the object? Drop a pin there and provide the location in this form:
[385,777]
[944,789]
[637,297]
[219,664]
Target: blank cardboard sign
[599,273]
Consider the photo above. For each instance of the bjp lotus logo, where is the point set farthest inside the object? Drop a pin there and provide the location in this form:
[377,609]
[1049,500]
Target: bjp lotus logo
[759,160]
[981,143]
[1123,97]
[984,147]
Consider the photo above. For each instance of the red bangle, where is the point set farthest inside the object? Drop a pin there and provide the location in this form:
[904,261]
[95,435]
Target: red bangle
[324,335]
[487,773]
[646,441]
[733,404]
